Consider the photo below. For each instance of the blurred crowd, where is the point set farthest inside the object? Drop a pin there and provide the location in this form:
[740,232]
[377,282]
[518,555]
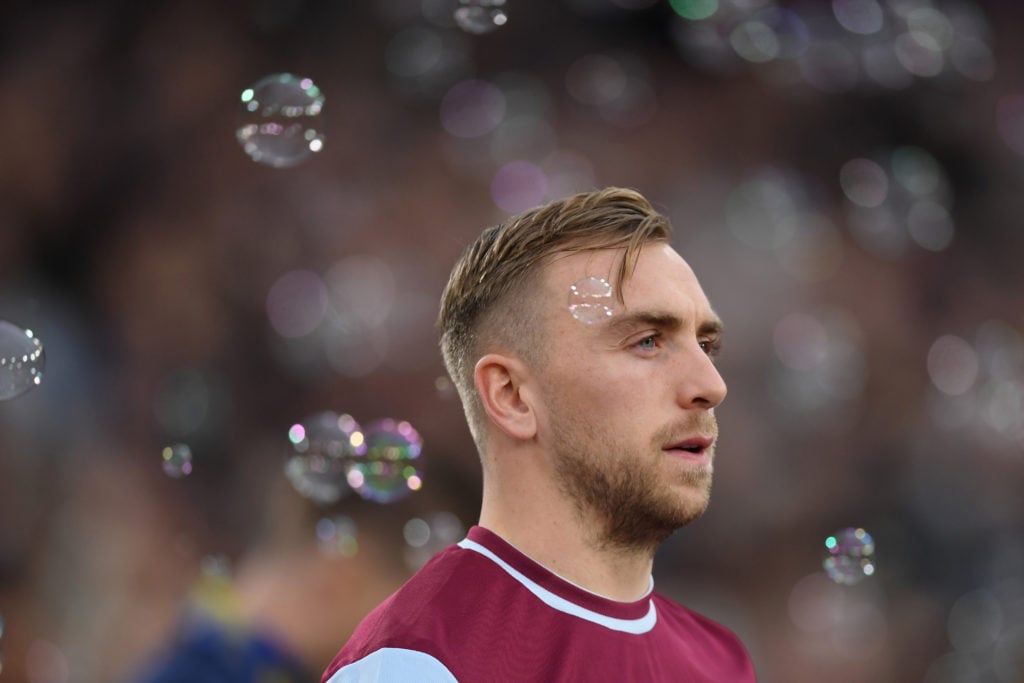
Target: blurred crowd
[844,178]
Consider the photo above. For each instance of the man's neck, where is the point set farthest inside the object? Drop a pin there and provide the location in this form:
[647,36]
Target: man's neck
[558,537]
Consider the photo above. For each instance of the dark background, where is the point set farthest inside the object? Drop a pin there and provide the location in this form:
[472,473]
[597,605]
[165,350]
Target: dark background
[873,381]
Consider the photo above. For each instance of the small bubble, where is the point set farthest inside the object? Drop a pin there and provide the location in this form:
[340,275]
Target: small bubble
[280,121]
[386,471]
[849,556]
[177,460]
[337,536]
[22,360]
[590,300]
[321,446]
[480,16]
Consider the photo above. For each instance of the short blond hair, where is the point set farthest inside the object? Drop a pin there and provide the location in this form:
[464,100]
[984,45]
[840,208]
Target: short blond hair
[484,305]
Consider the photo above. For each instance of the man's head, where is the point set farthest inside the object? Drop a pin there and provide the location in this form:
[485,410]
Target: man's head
[613,404]
[491,298]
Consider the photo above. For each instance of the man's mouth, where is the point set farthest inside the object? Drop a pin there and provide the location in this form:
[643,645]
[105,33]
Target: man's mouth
[693,448]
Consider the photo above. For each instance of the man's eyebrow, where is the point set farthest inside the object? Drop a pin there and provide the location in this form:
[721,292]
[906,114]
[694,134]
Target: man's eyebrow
[712,326]
[663,321]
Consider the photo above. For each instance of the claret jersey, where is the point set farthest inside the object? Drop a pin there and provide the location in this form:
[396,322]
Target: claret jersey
[483,612]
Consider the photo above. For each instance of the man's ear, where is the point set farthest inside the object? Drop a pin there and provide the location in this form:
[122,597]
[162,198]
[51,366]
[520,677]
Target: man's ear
[500,382]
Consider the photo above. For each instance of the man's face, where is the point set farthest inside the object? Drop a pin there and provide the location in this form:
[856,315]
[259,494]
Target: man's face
[628,402]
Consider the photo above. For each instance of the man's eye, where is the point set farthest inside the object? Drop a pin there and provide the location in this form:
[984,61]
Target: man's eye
[648,343]
[710,347]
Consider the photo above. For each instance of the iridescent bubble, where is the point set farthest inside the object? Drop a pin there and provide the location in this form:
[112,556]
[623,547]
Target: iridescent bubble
[864,182]
[337,536]
[428,535]
[952,365]
[177,460]
[858,16]
[591,301]
[22,360]
[849,556]
[322,445]
[386,470]
[281,124]
[480,16]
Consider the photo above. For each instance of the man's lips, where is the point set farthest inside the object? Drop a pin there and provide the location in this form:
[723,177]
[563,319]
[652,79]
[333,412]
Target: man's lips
[694,448]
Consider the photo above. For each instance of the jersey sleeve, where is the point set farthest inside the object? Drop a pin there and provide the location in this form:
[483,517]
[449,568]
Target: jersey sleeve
[394,665]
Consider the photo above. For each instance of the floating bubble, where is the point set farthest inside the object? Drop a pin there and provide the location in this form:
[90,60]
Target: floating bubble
[337,536]
[480,16]
[280,123]
[177,460]
[849,556]
[428,535]
[386,470]
[22,360]
[321,446]
[590,300]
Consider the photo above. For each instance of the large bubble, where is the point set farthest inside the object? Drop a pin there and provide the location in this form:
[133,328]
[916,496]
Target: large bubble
[22,360]
[281,123]
[321,447]
[386,470]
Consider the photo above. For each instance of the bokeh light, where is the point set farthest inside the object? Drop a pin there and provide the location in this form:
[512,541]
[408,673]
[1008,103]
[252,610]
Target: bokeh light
[952,365]
[22,360]
[480,16]
[591,300]
[176,460]
[472,108]
[337,535]
[430,534]
[297,303]
[280,121]
[321,446]
[519,185]
[387,468]
[849,556]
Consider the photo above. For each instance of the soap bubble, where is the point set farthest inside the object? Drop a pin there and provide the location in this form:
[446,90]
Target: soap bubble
[280,123]
[386,470]
[849,556]
[177,460]
[321,445]
[337,536]
[22,360]
[590,300]
[480,16]
[428,535]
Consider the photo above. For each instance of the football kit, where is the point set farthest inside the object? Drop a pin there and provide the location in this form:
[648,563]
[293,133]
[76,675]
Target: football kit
[483,612]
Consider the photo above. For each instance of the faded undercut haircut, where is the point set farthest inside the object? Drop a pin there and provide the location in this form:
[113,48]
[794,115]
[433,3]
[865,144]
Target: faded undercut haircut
[486,305]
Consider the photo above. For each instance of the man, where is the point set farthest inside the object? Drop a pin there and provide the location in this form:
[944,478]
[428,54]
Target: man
[581,344]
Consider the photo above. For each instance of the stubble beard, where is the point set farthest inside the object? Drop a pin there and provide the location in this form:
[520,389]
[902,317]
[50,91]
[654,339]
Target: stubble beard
[636,510]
